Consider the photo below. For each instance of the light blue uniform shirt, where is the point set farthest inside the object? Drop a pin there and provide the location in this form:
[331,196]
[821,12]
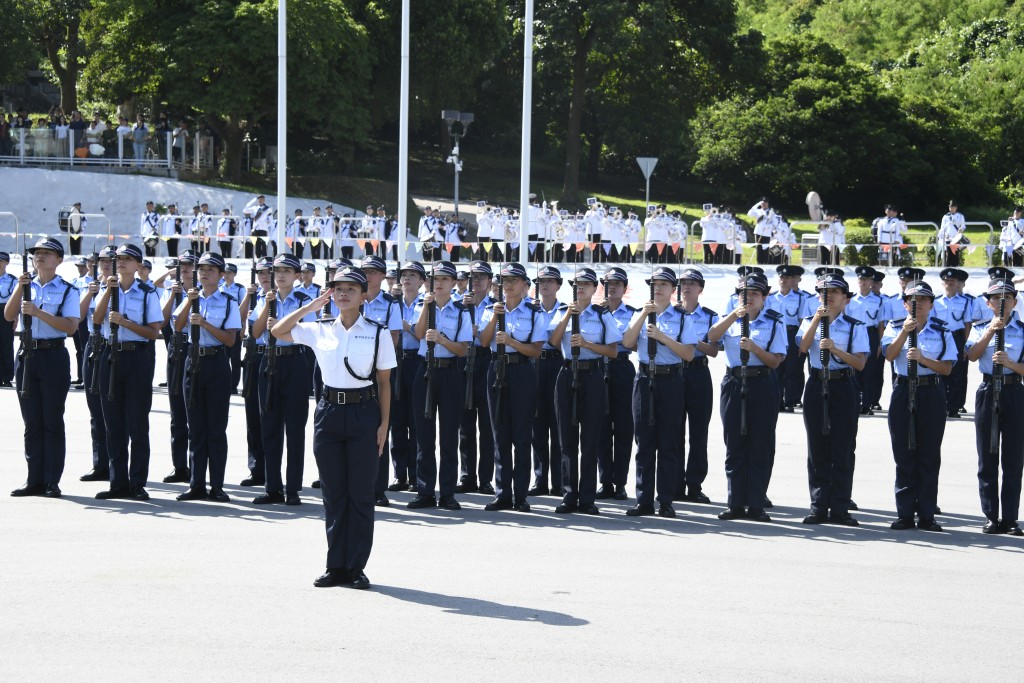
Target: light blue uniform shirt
[137,305]
[672,322]
[384,310]
[934,340]
[766,331]
[409,315]
[452,321]
[261,298]
[596,325]
[7,284]
[547,317]
[622,317]
[869,309]
[235,289]
[701,320]
[286,306]
[57,297]
[794,306]
[219,310]
[1013,344]
[478,315]
[769,303]
[522,323]
[955,311]
[848,336]
[980,312]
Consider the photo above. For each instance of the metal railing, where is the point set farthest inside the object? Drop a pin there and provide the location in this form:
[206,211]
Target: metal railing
[48,147]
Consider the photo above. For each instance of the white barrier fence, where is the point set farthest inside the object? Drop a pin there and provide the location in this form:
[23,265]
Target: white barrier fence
[47,147]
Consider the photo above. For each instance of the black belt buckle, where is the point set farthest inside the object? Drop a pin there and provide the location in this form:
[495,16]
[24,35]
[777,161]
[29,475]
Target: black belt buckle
[208,351]
[747,371]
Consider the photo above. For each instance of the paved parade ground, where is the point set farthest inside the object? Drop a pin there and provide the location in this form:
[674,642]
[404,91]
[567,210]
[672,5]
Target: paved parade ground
[163,589]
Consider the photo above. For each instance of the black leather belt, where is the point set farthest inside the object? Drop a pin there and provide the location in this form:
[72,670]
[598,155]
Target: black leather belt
[132,346]
[406,354]
[592,364]
[922,380]
[42,344]
[513,357]
[442,363]
[288,350]
[698,361]
[749,371]
[623,355]
[843,373]
[341,397]
[545,354]
[1011,378]
[662,369]
[210,350]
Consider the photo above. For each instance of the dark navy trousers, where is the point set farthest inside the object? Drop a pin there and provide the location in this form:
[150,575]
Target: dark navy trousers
[448,389]
[615,449]
[748,459]
[208,418]
[830,457]
[127,415]
[657,446]
[97,430]
[580,442]
[181,448]
[513,428]
[284,425]
[917,471]
[1011,453]
[403,421]
[48,382]
[253,422]
[547,453]
[698,404]
[477,464]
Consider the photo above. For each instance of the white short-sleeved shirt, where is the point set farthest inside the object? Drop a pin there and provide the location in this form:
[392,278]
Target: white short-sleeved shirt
[332,343]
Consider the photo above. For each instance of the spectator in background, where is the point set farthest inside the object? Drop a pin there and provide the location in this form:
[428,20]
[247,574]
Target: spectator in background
[77,126]
[124,132]
[108,138]
[140,136]
[180,136]
[5,136]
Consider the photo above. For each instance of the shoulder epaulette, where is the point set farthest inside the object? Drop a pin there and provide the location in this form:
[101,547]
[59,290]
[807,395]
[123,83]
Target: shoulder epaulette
[709,311]
[301,296]
[561,307]
[937,324]
[773,314]
[969,296]
[804,293]
[850,319]
[533,306]
[387,297]
[145,287]
[897,324]
[600,309]
[631,309]
[374,322]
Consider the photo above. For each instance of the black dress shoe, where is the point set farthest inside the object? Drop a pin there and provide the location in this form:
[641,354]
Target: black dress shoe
[467,487]
[843,520]
[382,501]
[485,489]
[253,480]
[315,484]
[420,502]
[162,384]
[876,406]
[537,491]
[398,485]
[1012,529]
[666,510]
[96,475]
[938,510]
[758,515]
[521,506]
[866,411]
[6,384]
[292,499]
[698,496]
[590,510]
[815,518]
[732,513]
[620,493]
[52,491]
[139,493]
[112,494]
[604,493]
[565,509]
[218,495]
[333,577]
[192,494]
[925,524]
[767,503]
[993,528]
[953,415]
[359,580]
[962,411]
[557,491]
[498,504]
[449,503]
[268,499]
[902,524]
[29,490]
[639,510]
[787,409]
[180,475]
[852,506]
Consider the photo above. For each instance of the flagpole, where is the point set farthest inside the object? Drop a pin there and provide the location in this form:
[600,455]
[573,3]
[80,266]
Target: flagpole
[524,171]
[282,122]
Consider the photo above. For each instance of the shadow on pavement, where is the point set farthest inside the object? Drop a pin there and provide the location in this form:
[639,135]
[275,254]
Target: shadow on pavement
[474,607]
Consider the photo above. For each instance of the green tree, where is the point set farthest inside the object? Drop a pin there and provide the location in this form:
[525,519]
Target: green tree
[18,52]
[58,31]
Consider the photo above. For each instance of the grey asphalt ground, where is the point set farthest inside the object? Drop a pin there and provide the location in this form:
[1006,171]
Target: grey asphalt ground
[120,590]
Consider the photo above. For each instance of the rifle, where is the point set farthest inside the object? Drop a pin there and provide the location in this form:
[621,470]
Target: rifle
[193,352]
[268,404]
[428,408]
[912,384]
[26,327]
[652,363]
[471,351]
[251,361]
[997,381]
[178,343]
[575,362]
[825,356]
[115,305]
[744,360]
[95,339]
[500,356]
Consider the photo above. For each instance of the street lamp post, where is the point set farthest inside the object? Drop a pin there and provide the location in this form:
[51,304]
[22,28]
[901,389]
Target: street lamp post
[458,124]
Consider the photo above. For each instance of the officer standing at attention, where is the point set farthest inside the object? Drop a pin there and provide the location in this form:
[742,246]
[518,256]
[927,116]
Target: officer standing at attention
[237,291]
[794,304]
[917,440]
[878,378]
[382,308]
[312,290]
[284,395]
[1001,298]
[43,390]
[172,297]
[7,284]
[209,383]
[657,434]
[866,306]
[547,452]
[93,349]
[476,465]
[830,449]
[355,356]
[438,392]
[126,386]
[698,393]
[81,283]
[615,448]
[956,311]
[512,378]
[581,400]
[410,366]
[750,398]
[253,421]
